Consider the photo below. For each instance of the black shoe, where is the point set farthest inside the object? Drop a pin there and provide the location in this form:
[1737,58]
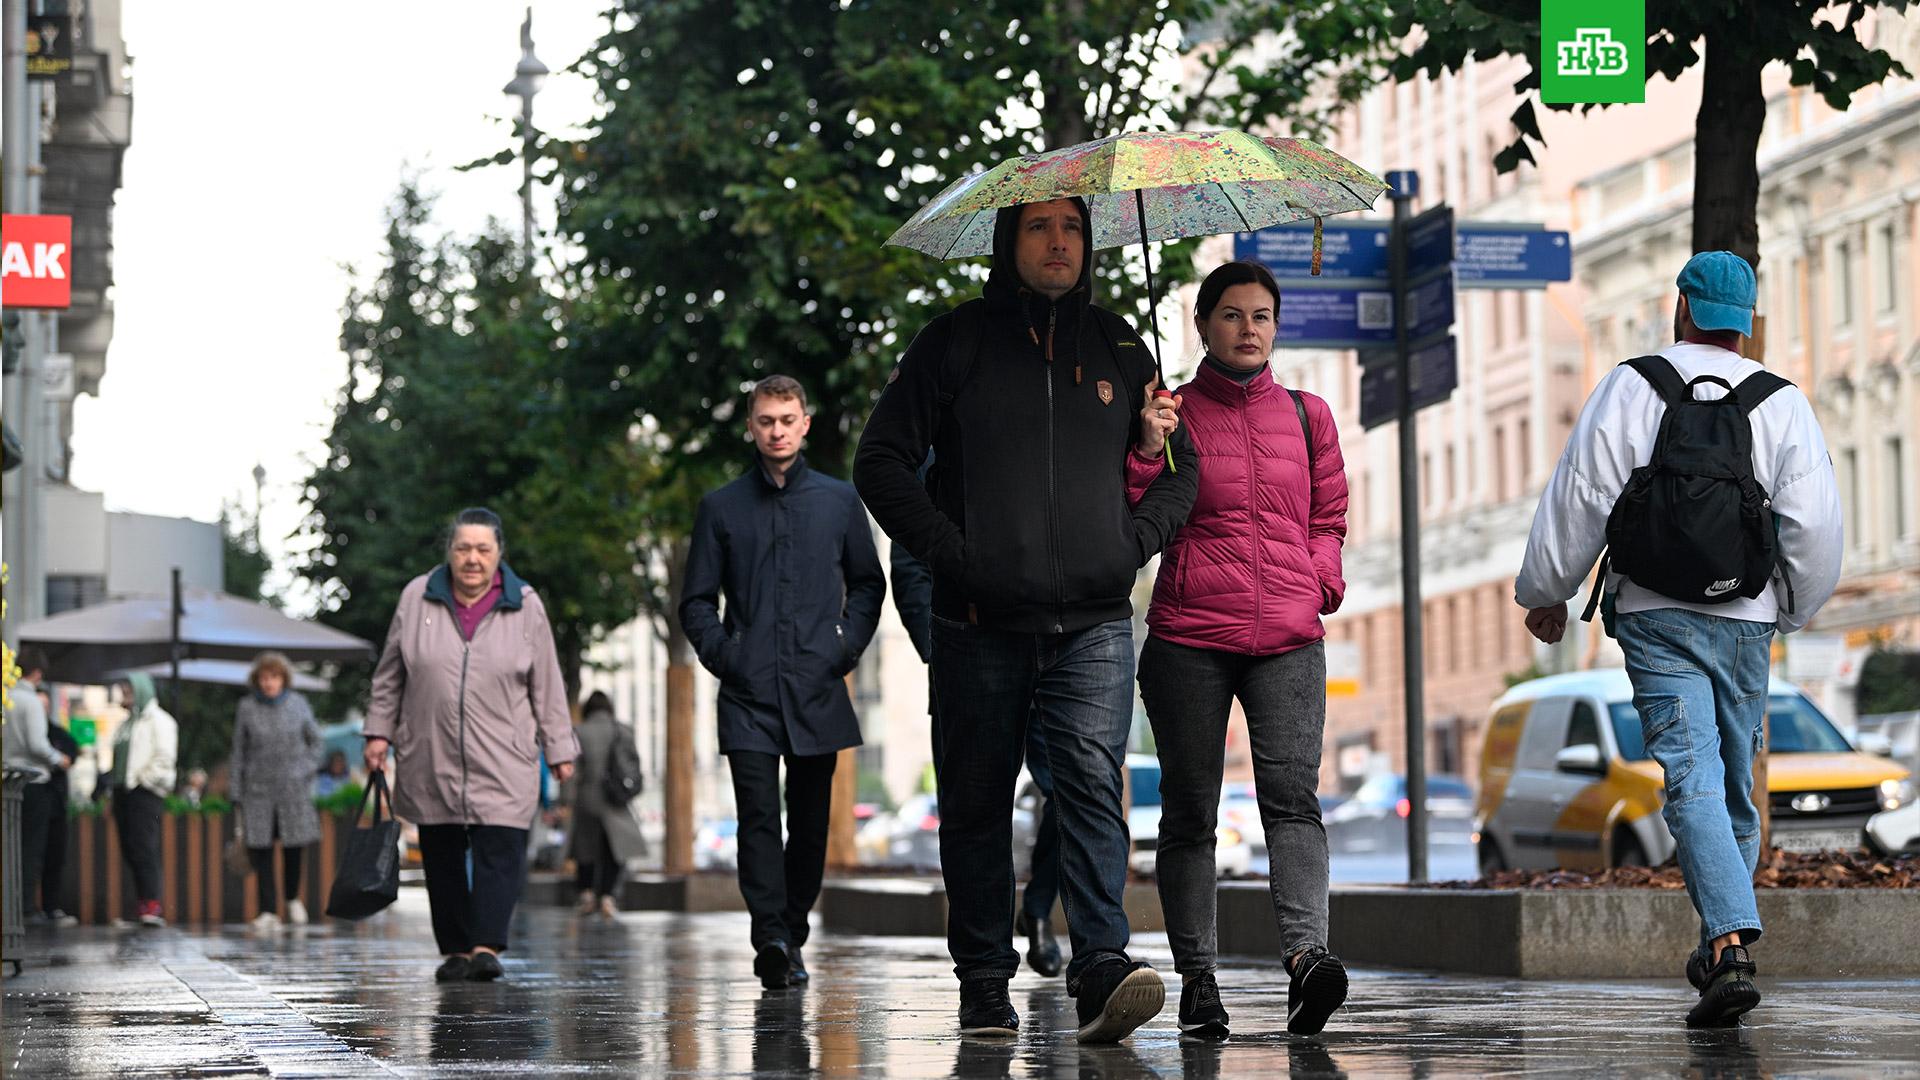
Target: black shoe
[772,966]
[985,1008]
[1729,992]
[1043,950]
[452,969]
[1115,996]
[484,967]
[1318,986]
[1699,962]
[1201,1014]
[796,968]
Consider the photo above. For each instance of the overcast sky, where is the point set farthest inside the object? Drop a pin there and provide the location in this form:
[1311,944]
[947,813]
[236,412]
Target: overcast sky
[268,143]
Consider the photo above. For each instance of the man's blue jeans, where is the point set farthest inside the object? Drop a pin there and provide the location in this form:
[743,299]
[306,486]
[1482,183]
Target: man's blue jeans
[1079,688]
[1700,686]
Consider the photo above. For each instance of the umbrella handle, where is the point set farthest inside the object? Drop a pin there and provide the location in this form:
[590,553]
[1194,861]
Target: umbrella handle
[1167,444]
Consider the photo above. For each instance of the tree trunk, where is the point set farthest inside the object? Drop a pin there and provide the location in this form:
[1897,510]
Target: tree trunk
[841,854]
[678,789]
[1064,117]
[1726,142]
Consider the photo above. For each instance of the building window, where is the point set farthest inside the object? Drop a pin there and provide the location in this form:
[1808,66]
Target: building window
[1525,453]
[1426,479]
[1884,281]
[1896,488]
[1789,307]
[1520,318]
[1451,495]
[1850,464]
[1843,283]
[66,592]
[1499,463]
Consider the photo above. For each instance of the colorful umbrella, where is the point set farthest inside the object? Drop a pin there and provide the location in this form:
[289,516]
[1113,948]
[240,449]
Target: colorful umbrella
[1151,185]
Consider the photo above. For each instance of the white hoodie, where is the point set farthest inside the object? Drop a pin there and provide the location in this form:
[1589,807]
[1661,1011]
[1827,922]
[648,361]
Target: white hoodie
[1615,435]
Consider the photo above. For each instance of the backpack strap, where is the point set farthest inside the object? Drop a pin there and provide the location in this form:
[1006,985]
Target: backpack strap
[1660,371]
[963,348]
[1757,388]
[1306,432]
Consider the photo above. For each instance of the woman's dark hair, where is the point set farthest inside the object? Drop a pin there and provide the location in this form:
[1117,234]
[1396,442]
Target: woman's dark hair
[1226,276]
[478,515]
[598,701]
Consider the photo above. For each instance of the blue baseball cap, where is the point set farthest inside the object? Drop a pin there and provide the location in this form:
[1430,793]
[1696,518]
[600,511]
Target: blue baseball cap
[1720,291]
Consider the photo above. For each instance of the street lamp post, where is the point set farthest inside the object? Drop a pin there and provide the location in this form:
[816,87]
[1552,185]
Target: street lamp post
[259,500]
[528,76]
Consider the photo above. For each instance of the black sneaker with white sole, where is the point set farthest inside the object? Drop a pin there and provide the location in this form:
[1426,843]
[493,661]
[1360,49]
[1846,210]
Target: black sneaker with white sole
[1116,996]
[985,1009]
[1729,992]
[1318,987]
[1201,1014]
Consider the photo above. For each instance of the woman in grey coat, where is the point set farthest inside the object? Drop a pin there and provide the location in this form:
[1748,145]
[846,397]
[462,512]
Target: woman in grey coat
[605,835]
[276,748]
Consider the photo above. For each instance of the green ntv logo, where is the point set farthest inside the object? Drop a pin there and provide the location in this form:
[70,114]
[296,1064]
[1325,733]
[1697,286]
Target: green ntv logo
[1593,51]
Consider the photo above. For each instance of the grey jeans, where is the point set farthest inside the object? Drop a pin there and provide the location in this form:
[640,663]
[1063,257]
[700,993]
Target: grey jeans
[1188,693]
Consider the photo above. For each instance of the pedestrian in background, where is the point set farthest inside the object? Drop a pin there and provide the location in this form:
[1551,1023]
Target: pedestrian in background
[468,694]
[1658,452]
[1030,399]
[334,775]
[146,751]
[792,553]
[28,750]
[1236,614]
[276,745]
[54,868]
[605,836]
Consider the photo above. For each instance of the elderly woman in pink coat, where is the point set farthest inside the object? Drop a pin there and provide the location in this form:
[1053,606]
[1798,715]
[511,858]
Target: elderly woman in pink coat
[468,694]
[1236,614]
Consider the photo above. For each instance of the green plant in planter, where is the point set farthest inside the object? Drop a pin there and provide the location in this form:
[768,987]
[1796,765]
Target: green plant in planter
[343,801]
[212,804]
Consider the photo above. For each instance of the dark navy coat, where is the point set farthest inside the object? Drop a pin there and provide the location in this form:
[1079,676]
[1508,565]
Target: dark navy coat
[803,589]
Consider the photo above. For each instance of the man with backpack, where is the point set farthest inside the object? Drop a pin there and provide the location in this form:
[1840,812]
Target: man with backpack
[1707,481]
[1031,399]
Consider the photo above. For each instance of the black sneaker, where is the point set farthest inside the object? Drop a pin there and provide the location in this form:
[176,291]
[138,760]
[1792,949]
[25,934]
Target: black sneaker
[773,966]
[1116,996]
[985,1009]
[1318,987]
[1043,949]
[452,969]
[796,968]
[1201,1014]
[1729,992]
[484,967]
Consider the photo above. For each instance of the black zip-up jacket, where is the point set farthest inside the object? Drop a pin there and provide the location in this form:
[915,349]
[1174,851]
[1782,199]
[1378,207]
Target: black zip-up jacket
[1024,518]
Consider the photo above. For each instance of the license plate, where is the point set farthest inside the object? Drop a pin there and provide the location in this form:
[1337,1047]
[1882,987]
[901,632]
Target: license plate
[1816,839]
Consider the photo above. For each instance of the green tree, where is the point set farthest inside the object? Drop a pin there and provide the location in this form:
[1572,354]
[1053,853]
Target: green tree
[1818,39]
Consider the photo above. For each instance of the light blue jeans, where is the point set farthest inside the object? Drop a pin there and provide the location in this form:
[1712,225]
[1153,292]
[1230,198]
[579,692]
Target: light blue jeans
[1700,686]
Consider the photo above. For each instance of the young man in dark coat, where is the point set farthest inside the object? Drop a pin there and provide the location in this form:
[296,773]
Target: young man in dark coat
[792,552]
[1031,398]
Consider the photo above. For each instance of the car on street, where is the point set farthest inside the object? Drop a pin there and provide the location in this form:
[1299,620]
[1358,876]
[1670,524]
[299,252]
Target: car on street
[1232,857]
[1566,779]
[1897,831]
[717,845]
[1374,820]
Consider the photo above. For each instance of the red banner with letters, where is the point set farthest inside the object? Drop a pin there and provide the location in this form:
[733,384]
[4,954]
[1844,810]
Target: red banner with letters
[36,261]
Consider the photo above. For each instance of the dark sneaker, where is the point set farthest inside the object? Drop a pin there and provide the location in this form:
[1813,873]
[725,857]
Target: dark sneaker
[1729,992]
[1318,987]
[1201,1014]
[985,1009]
[1043,950]
[773,967]
[1116,996]
[484,967]
[452,969]
[796,968]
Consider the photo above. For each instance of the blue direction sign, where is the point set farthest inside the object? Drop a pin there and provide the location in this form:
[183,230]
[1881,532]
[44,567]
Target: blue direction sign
[1512,256]
[1405,183]
[1348,251]
[1435,373]
[1350,317]
[1430,241]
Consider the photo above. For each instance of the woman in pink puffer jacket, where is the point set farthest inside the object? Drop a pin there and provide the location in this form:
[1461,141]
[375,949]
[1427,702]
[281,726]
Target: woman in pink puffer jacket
[1236,613]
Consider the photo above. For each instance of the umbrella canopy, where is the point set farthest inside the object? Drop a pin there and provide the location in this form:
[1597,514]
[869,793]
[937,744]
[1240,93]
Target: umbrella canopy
[1187,183]
[87,644]
[224,673]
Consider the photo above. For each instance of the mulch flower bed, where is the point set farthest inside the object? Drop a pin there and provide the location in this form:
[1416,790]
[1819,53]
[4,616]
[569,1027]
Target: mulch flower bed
[1858,869]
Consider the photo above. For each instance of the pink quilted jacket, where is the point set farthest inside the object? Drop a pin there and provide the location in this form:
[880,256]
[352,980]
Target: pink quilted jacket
[1258,561]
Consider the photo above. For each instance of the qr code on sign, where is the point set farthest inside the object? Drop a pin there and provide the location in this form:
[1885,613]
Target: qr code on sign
[1376,311]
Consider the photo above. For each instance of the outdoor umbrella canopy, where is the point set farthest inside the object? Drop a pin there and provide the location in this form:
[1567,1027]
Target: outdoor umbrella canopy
[223,673]
[90,643]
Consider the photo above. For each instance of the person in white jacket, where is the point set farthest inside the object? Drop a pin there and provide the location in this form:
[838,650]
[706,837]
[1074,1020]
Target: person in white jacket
[145,751]
[1699,671]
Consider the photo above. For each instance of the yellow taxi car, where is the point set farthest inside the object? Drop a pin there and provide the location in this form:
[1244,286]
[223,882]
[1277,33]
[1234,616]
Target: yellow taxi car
[1565,780]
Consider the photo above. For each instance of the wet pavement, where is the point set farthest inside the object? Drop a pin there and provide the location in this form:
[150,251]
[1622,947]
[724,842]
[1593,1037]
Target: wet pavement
[657,994]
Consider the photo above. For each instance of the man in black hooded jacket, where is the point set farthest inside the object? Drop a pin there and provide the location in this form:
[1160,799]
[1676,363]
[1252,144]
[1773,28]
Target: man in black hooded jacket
[1031,398]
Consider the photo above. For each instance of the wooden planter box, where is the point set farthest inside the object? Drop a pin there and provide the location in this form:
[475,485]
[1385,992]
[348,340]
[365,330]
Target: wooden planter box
[196,887]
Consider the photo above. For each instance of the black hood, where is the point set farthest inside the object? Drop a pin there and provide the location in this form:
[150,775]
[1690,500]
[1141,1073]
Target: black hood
[1004,284]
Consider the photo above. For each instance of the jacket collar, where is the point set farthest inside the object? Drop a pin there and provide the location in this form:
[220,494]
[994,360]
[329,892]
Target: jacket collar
[440,587]
[1216,385]
[796,473]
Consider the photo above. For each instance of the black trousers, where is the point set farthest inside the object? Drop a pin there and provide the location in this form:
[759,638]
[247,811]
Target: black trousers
[136,813]
[606,868]
[53,872]
[779,885]
[38,803]
[262,859]
[466,914]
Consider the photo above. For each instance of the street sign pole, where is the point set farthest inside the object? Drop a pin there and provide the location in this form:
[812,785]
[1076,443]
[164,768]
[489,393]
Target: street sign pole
[1411,647]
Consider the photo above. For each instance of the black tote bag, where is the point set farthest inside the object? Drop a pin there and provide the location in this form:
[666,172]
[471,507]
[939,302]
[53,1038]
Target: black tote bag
[368,878]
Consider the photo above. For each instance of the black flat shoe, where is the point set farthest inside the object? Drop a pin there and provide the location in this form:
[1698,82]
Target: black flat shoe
[797,968]
[1043,949]
[452,969]
[484,967]
[773,966]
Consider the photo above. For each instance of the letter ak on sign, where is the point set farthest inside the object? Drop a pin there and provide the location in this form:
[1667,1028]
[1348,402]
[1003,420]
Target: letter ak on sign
[36,261]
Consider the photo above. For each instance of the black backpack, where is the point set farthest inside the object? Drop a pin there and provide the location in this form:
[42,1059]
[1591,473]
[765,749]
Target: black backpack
[1693,524]
[621,782]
